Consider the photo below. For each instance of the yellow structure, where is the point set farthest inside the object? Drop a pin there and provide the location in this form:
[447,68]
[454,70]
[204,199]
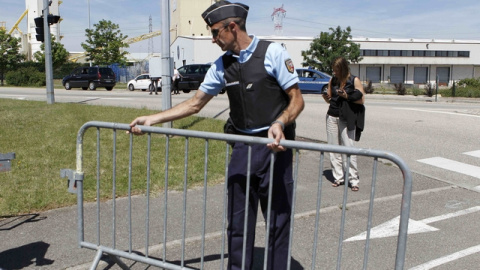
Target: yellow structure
[76,57]
[15,26]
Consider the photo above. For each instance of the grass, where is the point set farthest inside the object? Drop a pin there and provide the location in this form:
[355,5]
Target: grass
[43,138]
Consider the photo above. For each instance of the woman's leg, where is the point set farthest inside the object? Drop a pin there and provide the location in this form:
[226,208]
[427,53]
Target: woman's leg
[333,137]
[348,139]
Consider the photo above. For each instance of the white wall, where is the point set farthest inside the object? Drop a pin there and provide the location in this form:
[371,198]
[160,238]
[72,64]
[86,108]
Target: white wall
[202,50]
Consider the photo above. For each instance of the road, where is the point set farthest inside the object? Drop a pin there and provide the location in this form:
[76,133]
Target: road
[438,141]
[421,131]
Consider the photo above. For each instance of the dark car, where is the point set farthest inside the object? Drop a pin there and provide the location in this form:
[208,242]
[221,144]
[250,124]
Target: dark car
[312,81]
[191,76]
[90,78]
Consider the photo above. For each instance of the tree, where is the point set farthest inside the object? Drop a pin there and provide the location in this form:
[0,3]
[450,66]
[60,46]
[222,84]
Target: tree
[325,48]
[59,54]
[104,44]
[10,54]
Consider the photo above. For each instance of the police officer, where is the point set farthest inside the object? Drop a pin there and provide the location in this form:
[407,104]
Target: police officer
[261,84]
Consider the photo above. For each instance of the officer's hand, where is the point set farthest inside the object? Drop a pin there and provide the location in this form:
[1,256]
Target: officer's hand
[142,120]
[275,132]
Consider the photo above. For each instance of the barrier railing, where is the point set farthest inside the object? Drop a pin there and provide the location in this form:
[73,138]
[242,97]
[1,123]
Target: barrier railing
[129,219]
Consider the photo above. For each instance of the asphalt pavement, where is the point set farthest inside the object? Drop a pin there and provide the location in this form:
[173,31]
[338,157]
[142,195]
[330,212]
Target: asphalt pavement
[48,240]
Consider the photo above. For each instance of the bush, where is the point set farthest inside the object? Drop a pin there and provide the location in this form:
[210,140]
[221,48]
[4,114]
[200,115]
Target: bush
[26,76]
[472,82]
[429,89]
[400,89]
[416,91]
[369,88]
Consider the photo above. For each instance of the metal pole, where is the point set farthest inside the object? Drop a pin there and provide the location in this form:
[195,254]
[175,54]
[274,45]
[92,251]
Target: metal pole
[89,23]
[436,88]
[167,69]
[48,54]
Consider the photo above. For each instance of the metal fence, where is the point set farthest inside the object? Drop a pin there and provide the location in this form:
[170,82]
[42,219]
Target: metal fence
[184,228]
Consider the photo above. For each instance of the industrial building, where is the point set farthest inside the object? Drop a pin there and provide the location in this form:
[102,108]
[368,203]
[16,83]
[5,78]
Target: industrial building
[385,60]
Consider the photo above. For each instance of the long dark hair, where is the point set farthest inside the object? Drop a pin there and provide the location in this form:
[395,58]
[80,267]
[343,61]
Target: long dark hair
[340,66]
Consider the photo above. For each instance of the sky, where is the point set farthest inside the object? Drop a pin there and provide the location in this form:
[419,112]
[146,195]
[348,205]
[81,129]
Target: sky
[418,19]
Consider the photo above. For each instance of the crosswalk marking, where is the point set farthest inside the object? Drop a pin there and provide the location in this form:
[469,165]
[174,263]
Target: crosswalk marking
[453,165]
[473,153]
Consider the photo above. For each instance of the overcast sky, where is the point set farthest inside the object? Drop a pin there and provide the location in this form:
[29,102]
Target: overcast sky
[432,19]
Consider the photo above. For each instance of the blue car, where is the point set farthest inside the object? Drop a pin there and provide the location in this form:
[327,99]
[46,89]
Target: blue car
[312,81]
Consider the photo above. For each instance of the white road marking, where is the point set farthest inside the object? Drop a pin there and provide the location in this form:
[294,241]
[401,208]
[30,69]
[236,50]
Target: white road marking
[430,111]
[442,260]
[451,215]
[115,98]
[473,153]
[452,165]
[391,227]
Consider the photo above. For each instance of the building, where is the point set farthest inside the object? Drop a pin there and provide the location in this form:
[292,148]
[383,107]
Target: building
[417,61]
[385,60]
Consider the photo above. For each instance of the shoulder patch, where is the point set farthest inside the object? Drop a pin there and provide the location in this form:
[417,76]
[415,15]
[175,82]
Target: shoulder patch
[289,65]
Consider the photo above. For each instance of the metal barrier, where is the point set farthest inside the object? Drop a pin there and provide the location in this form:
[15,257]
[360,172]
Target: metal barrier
[131,217]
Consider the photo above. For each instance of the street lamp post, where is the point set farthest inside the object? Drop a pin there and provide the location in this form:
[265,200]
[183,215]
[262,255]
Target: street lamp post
[88,4]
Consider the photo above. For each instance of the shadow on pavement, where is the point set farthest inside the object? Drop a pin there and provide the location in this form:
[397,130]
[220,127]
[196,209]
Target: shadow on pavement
[25,256]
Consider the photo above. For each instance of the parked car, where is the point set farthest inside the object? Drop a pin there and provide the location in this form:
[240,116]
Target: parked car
[142,82]
[90,78]
[191,76]
[312,81]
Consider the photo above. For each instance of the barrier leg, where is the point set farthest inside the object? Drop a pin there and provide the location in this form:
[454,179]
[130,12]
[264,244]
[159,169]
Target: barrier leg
[96,260]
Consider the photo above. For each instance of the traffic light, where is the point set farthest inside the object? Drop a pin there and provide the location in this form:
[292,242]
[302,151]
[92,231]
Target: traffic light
[39,27]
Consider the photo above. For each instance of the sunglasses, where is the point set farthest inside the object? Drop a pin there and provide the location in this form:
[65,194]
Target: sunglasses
[216,32]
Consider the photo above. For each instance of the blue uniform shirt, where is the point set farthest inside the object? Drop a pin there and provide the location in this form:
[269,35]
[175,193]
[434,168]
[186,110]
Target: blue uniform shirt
[277,62]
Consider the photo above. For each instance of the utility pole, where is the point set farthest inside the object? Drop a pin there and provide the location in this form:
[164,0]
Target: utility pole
[167,69]
[48,53]
[88,4]
[150,40]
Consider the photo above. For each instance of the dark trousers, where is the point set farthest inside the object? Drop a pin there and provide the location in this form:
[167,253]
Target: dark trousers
[175,86]
[259,182]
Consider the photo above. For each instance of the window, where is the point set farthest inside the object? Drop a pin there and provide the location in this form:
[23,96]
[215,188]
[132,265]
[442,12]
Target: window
[441,53]
[418,53]
[395,53]
[430,53]
[382,53]
[406,53]
[415,53]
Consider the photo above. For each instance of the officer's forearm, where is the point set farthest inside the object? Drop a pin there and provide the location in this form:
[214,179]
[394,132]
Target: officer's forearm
[295,107]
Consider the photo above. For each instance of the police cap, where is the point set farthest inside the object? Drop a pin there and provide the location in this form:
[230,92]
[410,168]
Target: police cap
[222,10]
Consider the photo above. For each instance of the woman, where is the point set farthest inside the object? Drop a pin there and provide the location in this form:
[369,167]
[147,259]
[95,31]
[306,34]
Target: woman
[345,119]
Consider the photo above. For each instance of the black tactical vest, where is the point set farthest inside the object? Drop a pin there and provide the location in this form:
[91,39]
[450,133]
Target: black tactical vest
[256,98]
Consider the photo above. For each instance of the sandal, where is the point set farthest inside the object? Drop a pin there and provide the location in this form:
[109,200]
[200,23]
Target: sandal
[335,184]
[355,188]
